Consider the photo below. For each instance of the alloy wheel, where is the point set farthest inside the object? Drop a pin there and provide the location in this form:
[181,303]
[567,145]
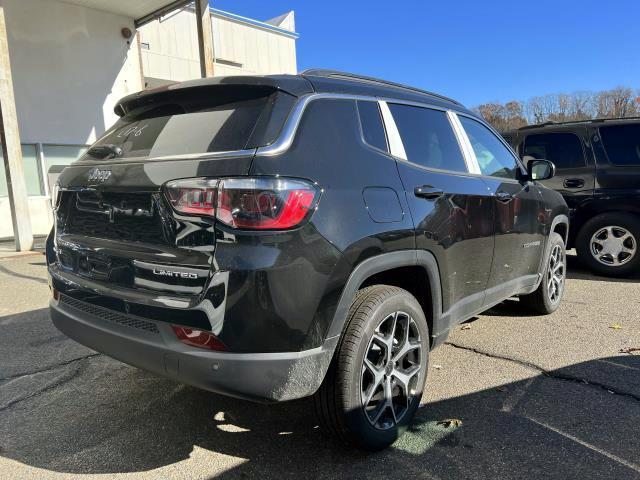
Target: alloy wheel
[613,246]
[556,273]
[391,370]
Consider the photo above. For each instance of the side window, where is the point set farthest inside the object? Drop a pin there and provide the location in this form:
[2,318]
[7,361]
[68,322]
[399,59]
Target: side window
[428,138]
[622,144]
[494,158]
[563,149]
[371,123]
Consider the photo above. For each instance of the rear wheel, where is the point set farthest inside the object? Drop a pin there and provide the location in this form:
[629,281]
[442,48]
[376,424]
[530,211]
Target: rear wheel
[374,385]
[608,244]
[547,297]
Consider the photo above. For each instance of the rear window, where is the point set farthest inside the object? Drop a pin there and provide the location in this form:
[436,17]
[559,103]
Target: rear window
[206,120]
[622,144]
[563,149]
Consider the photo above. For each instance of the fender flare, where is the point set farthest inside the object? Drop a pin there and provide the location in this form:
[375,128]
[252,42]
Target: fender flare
[381,263]
[560,219]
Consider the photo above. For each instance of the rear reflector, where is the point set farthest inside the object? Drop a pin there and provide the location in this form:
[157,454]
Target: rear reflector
[198,338]
[250,203]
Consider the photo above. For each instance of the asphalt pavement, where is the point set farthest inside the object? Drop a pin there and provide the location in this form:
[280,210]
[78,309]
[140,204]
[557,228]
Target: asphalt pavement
[509,396]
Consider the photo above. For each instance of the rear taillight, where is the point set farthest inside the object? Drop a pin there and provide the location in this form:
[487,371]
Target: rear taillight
[198,338]
[254,203]
[196,196]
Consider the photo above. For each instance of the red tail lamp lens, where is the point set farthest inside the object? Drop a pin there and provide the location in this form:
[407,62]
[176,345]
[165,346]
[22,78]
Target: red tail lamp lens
[195,197]
[198,338]
[252,203]
[264,203]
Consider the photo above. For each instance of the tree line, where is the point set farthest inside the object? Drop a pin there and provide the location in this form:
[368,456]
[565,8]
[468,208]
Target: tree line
[562,107]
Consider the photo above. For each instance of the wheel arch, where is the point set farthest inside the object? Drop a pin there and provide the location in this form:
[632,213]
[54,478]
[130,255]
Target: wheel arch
[369,271]
[560,224]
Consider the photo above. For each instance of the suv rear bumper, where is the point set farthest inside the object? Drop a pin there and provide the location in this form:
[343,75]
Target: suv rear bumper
[264,377]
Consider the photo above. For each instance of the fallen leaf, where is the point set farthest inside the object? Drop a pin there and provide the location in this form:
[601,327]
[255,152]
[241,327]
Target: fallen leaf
[629,350]
[615,326]
[450,422]
[466,326]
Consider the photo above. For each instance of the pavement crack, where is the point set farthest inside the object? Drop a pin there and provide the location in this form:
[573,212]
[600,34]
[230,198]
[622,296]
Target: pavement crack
[548,373]
[50,368]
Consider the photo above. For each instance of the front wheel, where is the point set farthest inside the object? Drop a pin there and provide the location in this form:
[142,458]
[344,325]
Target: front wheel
[374,385]
[547,297]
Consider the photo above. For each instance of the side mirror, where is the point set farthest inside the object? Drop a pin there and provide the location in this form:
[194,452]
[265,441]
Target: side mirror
[540,169]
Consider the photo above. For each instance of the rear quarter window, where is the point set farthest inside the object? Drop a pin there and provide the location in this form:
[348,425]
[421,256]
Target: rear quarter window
[622,144]
[373,131]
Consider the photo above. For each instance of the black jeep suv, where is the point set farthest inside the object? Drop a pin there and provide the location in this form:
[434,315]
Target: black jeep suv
[278,237]
[598,173]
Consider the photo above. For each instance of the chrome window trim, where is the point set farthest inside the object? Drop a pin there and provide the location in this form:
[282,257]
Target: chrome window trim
[184,156]
[465,144]
[287,135]
[396,147]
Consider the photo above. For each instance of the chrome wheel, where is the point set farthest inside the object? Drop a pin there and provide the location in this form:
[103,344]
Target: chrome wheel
[391,370]
[613,246]
[556,273]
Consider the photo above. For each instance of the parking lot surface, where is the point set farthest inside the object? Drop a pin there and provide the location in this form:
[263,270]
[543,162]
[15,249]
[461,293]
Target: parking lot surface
[508,396]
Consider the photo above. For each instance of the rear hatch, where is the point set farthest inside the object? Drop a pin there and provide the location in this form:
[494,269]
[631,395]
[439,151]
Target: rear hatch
[114,225]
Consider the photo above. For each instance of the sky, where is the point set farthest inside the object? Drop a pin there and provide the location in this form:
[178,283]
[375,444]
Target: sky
[474,51]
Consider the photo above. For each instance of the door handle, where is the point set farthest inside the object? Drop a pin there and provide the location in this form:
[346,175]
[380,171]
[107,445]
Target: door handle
[504,197]
[573,183]
[428,192]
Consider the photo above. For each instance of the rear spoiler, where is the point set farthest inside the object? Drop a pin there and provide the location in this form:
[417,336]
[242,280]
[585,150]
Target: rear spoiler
[295,85]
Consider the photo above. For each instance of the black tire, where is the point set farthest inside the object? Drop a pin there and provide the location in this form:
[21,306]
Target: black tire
[625,221]
[547,297]
[339,401]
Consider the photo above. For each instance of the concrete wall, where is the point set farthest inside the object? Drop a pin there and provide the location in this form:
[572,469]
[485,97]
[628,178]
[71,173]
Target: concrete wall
[70,65]
[240,47]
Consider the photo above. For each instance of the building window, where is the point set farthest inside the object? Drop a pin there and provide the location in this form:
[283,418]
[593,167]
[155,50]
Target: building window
[54,155]
[32,176]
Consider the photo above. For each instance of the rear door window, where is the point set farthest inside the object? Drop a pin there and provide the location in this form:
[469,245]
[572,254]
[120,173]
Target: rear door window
[428,138]
[191,123]
[622,144]
[563,149]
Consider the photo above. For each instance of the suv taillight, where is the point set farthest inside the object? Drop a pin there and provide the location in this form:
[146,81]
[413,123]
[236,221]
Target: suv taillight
[254,203]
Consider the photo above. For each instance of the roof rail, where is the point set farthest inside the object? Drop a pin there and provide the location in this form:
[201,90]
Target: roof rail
[572,122]
[320,72]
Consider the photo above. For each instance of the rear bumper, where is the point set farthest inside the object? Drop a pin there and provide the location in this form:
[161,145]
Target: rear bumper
[152,346]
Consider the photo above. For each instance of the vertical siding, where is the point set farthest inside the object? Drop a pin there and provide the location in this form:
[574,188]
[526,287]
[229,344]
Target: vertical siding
[173,48]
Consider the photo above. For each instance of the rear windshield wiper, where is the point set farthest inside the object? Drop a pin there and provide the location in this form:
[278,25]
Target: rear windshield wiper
[105,151]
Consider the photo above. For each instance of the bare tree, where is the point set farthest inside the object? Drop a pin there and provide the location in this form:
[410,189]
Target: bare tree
[562,107]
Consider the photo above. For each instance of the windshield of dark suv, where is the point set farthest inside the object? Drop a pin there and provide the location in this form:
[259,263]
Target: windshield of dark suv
[622,143]
[201,121]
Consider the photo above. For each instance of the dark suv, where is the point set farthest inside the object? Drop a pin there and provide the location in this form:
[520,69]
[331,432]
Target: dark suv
[598,173]
[278,237]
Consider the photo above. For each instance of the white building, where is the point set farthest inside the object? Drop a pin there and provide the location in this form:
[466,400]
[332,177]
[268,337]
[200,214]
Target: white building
[242,46]
[71,60]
